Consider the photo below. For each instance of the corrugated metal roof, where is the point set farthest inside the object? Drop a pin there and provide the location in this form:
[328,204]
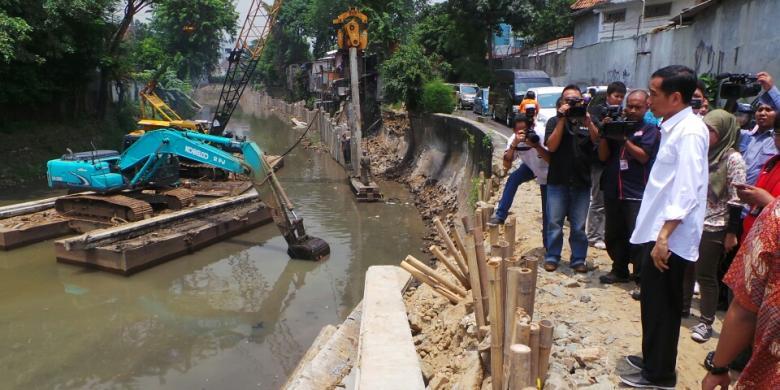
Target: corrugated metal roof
[583,4]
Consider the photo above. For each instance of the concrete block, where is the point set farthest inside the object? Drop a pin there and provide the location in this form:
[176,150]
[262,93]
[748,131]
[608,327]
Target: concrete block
[387,358]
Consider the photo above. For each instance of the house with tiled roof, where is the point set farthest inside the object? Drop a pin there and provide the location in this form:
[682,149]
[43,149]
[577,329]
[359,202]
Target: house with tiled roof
[606,20]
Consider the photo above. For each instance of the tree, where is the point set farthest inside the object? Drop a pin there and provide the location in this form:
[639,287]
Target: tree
[50,62]
[550,19]
[192,30]
[404,74]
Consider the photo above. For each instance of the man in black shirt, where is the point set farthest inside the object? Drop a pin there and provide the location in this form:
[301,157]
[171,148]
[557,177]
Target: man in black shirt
[570,138]
[627,166]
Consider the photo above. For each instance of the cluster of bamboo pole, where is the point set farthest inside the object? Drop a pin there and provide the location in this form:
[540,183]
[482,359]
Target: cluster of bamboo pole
[503,289]
[485,188]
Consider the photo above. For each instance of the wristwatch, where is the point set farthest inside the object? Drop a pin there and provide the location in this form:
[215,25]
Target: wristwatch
[711,368]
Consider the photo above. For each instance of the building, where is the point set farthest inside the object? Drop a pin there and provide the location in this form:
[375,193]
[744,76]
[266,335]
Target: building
[607,20]
[506,43]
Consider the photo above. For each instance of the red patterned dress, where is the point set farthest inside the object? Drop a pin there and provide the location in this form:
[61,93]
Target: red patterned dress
[754,277]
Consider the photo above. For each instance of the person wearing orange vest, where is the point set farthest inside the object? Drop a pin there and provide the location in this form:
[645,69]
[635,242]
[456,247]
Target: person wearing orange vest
[529,99]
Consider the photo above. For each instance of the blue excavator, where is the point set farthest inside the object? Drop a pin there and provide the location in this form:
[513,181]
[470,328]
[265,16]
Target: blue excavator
[128,186]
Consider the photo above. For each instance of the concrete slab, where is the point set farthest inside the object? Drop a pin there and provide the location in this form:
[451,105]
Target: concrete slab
[387,358]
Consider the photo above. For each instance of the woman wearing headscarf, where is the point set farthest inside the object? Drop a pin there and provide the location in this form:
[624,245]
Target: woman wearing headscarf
[722,219]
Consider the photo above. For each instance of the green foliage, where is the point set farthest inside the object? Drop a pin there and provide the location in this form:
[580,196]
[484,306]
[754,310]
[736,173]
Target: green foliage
[48,49]
[13,31]
[473,198]
[437,97]
[404,74]
[711,85]
[487,142]
[548,20]
[197,52]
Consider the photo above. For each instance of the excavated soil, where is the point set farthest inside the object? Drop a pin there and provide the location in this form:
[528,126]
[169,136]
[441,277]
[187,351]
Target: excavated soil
[595,325]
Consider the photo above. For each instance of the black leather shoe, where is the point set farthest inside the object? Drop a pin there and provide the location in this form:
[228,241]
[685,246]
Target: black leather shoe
[612,278]
[636,294]
[635,361]
[639,382]
[494,221]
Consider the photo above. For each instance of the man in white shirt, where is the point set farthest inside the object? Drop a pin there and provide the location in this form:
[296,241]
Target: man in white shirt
[524,145]
[670,224]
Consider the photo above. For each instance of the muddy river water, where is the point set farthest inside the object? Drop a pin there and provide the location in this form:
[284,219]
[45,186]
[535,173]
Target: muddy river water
[235,315]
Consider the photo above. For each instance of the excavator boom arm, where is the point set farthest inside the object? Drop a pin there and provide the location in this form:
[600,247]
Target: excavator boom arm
[191,145]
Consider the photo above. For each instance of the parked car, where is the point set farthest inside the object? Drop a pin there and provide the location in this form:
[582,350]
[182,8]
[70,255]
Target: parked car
[481,102]
[508,89]
[546,97]
[465,94]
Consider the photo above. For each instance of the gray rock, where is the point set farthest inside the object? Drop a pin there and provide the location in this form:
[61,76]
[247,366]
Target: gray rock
[585,298]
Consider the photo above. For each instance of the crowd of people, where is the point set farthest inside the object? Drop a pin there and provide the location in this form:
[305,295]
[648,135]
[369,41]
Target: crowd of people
[683,198]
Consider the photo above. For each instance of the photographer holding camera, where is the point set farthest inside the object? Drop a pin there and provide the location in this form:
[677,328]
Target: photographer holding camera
[604,113]
[628,157]
[757,145]
[526,146]
[569,137]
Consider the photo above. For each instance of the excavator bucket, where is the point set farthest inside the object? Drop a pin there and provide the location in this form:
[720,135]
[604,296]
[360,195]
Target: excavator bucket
[310,248]
[300,245]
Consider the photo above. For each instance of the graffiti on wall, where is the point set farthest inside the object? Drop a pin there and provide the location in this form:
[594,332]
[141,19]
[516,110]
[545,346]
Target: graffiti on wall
[708,59]
[617,75]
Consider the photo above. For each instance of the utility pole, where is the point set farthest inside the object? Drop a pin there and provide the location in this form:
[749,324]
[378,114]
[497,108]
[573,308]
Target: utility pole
[357,123]
[352,36]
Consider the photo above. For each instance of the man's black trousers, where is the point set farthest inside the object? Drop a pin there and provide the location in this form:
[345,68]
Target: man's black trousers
[619,224]
[661,306]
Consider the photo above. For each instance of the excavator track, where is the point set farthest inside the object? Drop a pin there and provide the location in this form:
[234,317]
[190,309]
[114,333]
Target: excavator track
[104,207]
[179,198]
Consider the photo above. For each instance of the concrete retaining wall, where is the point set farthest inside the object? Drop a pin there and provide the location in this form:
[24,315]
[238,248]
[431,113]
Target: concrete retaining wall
[733,36]
[324,124]
[439,148]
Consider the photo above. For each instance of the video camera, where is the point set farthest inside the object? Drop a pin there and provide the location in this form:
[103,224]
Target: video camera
[530,110]
[577,107]
[738,85]
[618,129]
[530,134]
[696,103]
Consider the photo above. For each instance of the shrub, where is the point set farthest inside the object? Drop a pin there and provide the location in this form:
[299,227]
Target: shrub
[437,97]
[404,74]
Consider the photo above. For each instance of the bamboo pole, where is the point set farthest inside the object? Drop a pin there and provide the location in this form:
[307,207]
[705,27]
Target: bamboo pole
[487,212]
[545,345]
[532,263]
[476,288]
[482,194]
[510,234]
[436,251]
[522,328]
[451,246]
[493,231]
[519,366]
[513,280]
[433,275]
[534,344]
[459,243]
[468,224]
[496,323]
[417,274]
[479,249]
[526,292]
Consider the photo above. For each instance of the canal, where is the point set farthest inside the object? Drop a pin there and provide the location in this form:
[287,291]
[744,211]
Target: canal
[238,314]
